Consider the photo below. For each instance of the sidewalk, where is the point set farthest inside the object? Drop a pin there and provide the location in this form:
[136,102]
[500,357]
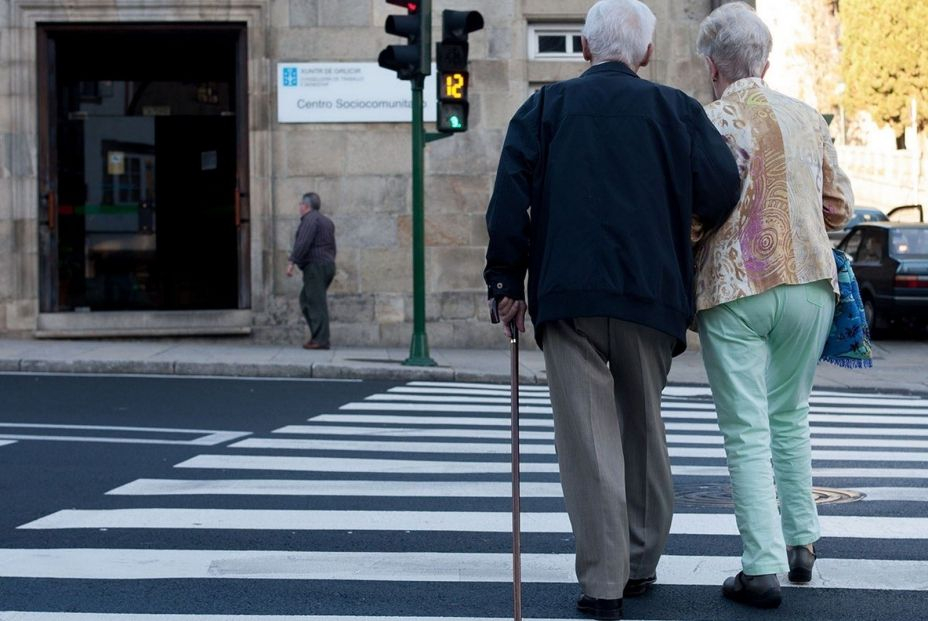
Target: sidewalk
[898,365]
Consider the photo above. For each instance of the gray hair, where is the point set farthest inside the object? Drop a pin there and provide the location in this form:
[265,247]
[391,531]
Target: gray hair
[737,40]
[619,30]
[312,199]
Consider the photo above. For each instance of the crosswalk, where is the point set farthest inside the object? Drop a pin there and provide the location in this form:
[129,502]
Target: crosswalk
[408,488]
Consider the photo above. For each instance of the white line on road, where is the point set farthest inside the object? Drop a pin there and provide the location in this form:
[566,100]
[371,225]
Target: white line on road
[147,564]
[669,391]
[372,406]
[895,494]
[425,384]
[202,441]
[503,434]
[523,399]
[502,395]
[357,466]
[450,407]
[295,487]
[399,466]
[406,489]
[397,419]
[114,428]
[382,446]
[181,376]
[208,437]
[120,616]
[433,521]
[844,419]
[415,432]
[548,422]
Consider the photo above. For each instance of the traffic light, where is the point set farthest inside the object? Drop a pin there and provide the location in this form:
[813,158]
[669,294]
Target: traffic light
[413,59]
[453,77]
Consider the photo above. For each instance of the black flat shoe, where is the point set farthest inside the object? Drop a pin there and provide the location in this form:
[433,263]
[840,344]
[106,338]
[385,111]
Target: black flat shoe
[637,586]
[600,608]
[800,563]
[758,591]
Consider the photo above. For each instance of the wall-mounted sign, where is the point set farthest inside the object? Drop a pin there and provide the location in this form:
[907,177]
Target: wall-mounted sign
[347,93]
[115,163]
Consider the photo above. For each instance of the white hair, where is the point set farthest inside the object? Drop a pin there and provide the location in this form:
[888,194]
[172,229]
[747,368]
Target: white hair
[737,40]
[619,30]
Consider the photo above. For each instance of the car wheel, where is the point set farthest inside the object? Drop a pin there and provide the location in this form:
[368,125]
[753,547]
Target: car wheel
[871,317]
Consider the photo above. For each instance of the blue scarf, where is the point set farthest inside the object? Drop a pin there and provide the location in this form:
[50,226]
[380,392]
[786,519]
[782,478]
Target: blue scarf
[848,343]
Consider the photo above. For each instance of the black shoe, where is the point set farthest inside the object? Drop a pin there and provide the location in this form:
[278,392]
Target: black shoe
[600,608]
[800,563]
[759,591]
[637,586]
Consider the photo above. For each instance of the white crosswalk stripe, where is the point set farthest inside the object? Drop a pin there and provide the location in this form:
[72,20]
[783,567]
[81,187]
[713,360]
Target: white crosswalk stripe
[426,443]
[78,616]
[143,564]
[443,521]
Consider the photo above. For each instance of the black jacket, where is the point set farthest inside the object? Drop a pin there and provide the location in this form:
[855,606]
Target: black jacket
[598,180]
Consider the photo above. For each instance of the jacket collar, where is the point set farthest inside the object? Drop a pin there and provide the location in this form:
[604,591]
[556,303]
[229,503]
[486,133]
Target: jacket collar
[744,84]
[611,66]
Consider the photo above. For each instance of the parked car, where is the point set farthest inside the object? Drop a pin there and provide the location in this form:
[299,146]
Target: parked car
[861,215]
[890,260]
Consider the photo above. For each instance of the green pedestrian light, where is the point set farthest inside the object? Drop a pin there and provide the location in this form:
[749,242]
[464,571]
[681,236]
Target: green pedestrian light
[453,77]
[452,116]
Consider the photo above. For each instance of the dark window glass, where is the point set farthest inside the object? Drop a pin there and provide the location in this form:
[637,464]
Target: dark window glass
[138,205]
[871,250]
[851,244]
[552,44]
[578,47]
[909,243]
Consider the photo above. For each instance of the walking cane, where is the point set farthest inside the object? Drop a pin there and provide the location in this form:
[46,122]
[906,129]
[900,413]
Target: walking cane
[516,528]
[514,399]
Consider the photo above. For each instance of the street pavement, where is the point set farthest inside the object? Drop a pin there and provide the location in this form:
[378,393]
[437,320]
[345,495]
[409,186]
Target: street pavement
[898,364]
[204,499]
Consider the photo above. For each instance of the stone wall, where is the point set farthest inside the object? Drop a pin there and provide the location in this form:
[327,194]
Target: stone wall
[361,171]
[886,179]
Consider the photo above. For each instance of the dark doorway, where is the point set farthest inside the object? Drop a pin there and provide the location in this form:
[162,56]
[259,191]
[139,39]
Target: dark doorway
[143,138]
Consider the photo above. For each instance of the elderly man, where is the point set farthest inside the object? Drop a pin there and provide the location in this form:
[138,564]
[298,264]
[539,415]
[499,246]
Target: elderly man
[611,168]
[314,253]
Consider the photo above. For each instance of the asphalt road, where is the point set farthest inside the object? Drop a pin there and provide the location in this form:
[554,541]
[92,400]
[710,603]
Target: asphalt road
[147,497]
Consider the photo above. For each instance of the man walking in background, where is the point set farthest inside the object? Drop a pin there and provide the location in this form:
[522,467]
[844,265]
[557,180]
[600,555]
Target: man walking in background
[314,253]
[598,181]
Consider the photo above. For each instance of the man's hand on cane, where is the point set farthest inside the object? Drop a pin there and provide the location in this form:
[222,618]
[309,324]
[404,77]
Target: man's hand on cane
[510,310]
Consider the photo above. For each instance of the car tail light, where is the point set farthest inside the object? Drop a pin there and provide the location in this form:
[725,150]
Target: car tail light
[909,281]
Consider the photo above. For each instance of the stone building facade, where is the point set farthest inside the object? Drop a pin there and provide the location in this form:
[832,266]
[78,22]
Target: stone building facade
[85,261]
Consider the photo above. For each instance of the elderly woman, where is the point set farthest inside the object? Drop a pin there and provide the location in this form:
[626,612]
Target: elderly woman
[765,295]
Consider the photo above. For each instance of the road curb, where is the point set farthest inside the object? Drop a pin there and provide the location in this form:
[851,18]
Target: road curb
[319,370]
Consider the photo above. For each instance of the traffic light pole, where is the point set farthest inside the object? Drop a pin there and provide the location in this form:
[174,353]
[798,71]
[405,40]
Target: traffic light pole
[419,347]
[398,59]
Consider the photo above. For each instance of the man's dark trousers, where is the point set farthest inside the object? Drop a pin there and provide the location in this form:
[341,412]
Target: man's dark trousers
[316,280]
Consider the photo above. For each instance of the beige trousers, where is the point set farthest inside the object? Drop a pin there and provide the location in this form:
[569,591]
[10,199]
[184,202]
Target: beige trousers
[606,378]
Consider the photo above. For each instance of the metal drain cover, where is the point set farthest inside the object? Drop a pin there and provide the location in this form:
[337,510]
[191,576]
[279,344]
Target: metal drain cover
[719,495]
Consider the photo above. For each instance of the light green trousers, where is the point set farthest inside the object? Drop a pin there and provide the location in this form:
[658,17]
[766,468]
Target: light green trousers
[760,354]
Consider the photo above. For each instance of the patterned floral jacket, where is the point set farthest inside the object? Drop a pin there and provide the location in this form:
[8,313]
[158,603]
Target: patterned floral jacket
[792,191]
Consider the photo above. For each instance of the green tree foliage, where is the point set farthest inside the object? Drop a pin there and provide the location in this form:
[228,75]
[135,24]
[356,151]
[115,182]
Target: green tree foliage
[885,59]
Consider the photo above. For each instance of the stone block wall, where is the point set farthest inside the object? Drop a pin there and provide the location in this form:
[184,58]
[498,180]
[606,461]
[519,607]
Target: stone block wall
[886,179]
[361,171]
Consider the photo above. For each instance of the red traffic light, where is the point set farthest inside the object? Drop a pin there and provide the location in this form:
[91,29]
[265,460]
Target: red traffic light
[410,6]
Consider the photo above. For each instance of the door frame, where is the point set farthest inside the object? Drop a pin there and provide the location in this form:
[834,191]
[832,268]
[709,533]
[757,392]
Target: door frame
[49,284]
